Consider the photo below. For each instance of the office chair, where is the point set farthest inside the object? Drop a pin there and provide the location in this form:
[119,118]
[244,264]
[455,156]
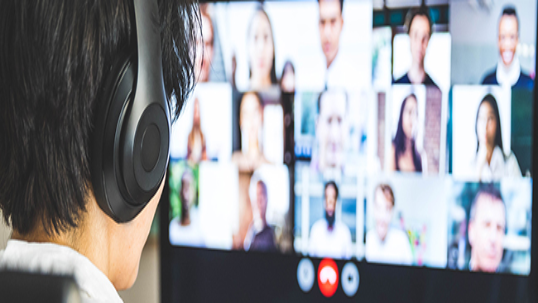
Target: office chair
[34,287]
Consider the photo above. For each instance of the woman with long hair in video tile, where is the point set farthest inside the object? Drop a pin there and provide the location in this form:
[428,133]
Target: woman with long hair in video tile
[490,162]
[196,147]
[261,51]
[404,153]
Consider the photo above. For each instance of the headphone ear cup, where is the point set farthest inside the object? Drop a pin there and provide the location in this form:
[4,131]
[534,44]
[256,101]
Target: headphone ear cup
[131,139]
[112,107]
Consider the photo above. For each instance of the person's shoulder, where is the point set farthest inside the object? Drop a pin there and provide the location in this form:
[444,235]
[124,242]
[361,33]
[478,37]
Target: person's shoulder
[512,166]
[524,81]
[318,227]
[428,81]
[397,235]
[490,78]
[403,80]
[268,231]
[371,236]
[342,227]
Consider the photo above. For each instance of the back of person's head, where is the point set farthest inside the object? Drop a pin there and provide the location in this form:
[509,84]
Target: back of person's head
[492,102]
[54,58]
[421,11]
[510,11]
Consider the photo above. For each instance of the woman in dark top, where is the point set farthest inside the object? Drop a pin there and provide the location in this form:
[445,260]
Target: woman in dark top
[404,153]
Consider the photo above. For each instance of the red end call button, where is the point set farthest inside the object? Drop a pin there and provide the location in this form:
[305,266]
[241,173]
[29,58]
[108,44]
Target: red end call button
[327,277]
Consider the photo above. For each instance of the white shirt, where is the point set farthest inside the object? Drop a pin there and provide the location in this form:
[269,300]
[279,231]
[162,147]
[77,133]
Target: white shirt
[340,75]
[394,250]
[190,235]
[335,243]
[508,75]
[48,258]
[498,168]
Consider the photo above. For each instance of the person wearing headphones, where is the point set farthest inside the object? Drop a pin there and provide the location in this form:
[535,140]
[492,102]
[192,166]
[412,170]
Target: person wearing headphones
[87,89]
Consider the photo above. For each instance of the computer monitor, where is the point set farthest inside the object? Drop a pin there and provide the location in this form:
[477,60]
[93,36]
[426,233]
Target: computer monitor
[373,151]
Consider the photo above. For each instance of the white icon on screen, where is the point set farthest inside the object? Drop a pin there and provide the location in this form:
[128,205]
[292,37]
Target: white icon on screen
[350,279]
[327,274]
[305,275]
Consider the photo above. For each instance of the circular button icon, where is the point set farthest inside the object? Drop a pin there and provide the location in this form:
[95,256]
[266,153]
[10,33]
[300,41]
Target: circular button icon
[350,279]
[328,277]
[305,275]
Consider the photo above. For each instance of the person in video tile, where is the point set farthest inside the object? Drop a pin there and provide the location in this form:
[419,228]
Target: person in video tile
[419,29]
[404,153]
[261,50]
[487,224]
[331,23]
[204,45]
[186,230]
[386,244]
[287,81]
[196,147]
[490,162]
[250,123]
[508,71]
[332,131]
[260,236]
[330,237]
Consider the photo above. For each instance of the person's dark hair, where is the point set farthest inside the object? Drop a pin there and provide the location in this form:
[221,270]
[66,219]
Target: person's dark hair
[412,13]
[326,91]
[54,57]
[400,139]
[333,184]
[510,11]
[260,9]
[489,99]
[341,5]
[287,66]
[387,192]
[487,189]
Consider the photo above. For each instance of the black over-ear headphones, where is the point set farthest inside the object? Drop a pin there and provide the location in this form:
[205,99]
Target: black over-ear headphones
[132,126]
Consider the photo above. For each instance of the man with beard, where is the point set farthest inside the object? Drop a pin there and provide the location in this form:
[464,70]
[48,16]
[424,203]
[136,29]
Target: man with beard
[329,237]
[386,244]
[508,71]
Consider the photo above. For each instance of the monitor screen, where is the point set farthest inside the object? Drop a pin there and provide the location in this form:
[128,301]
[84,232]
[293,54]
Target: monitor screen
[355,150]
